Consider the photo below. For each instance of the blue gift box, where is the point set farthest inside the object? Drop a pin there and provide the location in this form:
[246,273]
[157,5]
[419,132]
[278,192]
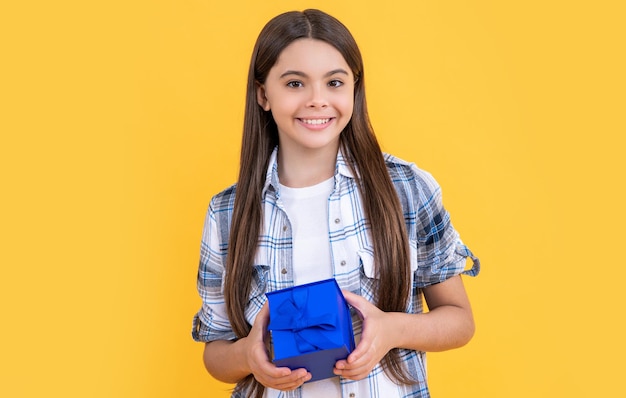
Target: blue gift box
[310,327]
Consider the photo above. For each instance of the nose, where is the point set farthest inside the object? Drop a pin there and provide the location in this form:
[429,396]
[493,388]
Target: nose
[317,97]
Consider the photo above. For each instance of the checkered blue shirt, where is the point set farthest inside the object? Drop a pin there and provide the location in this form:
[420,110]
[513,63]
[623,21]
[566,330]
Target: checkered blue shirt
[437,254]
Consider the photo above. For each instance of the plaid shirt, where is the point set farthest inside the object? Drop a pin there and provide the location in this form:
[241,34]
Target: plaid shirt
[437,254]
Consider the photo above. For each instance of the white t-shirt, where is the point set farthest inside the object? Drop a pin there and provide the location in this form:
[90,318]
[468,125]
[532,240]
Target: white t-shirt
[307,209]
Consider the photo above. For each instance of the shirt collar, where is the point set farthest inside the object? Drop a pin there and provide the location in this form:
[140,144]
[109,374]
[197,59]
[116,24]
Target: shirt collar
[271,176]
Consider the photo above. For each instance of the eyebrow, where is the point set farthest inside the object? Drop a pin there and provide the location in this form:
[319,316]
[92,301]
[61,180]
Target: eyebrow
[302,74]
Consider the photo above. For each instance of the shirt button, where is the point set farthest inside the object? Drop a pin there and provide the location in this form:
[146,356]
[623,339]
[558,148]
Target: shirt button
[337,221]
[343,262]
[283,271]
[284,227]
[352,395]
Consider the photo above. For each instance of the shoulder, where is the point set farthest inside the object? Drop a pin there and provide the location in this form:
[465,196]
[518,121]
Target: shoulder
[224,200]
[406,176]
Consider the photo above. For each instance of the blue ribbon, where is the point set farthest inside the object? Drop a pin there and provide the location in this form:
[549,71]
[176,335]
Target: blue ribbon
[308,331]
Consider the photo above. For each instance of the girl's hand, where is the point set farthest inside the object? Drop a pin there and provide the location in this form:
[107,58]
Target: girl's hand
[259,364]
[376,340]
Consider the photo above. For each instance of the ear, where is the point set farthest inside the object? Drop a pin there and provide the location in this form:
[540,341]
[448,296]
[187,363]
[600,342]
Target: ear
[261,98]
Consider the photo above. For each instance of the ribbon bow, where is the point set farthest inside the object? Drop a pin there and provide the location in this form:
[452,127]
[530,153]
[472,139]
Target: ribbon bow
[308,331]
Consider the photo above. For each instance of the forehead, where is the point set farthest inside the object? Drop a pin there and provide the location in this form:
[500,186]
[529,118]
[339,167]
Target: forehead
[310,56]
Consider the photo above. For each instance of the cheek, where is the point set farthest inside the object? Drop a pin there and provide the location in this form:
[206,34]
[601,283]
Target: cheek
[284,105]
[346,105]
[347,100]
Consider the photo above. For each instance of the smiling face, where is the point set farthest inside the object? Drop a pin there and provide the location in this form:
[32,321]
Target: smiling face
[310,93]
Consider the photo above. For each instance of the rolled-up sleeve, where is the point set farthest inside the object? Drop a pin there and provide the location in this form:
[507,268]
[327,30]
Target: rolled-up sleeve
[211,322]
[440,252]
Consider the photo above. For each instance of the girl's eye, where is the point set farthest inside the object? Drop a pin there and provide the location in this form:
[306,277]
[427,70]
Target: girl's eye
[294,84]
[335,83]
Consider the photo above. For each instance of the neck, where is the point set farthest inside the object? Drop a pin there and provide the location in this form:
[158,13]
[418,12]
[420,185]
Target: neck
[304,169]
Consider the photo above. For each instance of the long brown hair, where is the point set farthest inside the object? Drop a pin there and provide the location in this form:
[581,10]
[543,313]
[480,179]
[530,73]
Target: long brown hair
[359,146]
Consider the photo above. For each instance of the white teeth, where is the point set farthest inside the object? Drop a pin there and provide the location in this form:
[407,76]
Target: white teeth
[315,121]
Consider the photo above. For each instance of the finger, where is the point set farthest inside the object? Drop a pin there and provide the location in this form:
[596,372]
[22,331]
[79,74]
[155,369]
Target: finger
[295,379]
[360,359]
[356,369]
[263,317]
[353,299]
[272,376]
[353,374]
[355,377]
[359,303]
[291,383]
[361,350]
[283,374]
[341,364]
[351,363]
[285,387]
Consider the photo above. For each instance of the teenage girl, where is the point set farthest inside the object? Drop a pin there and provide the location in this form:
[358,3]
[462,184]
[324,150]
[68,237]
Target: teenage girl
[316,198]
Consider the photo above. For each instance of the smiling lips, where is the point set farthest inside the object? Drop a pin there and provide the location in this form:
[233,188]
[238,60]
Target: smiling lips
[315,122]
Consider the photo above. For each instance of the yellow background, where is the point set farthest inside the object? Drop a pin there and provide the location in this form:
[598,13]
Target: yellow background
[120,119]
